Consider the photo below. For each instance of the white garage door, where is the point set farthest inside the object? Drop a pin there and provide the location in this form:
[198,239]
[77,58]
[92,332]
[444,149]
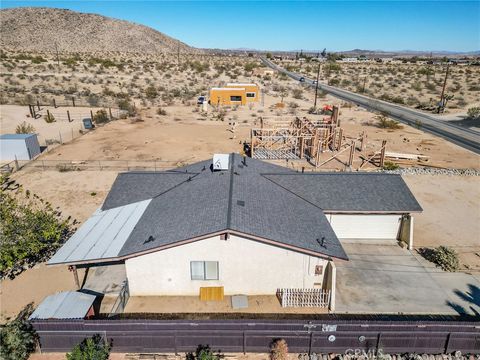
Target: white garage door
[366,227]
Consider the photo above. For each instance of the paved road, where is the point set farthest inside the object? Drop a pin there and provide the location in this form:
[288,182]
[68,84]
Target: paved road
[466,138]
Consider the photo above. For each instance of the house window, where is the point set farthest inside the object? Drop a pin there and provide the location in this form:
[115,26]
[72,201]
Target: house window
[236,98]
[204,270]
[250,94]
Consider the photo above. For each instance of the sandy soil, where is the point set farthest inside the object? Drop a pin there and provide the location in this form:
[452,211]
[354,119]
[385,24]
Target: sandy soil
[61,130]
[451,215]
[191,304]
[33,285]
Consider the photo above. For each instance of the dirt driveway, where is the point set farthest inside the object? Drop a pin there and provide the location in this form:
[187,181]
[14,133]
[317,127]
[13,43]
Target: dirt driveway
[389,279]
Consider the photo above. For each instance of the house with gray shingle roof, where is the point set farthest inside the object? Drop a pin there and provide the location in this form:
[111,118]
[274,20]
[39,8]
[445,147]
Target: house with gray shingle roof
[249,228]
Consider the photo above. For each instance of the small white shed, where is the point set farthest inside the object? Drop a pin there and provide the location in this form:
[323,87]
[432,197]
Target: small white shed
[18,146]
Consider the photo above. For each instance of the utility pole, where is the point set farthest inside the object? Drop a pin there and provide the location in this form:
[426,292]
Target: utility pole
[364,83]
[316,86]
[442,97]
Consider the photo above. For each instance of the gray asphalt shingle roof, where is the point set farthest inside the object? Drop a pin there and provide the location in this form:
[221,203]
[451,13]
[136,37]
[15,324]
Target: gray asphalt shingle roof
[262,201]
[350,192]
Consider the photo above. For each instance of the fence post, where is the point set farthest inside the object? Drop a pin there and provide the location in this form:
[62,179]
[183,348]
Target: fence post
[38,105]
[68,115]
[54,103]
[244,342]
[110,111]
[16,163]
[73,101]
[60,134]
[175,341]
[48,115]
[447,345]
[30,110]
[91,114]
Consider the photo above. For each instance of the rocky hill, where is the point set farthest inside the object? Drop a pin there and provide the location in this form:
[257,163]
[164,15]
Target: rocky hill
[39,29]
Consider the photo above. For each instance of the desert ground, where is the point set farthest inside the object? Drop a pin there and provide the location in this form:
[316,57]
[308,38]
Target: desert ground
[183,133]
[411,84]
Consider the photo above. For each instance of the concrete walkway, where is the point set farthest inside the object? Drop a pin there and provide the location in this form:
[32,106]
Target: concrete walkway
[389,279]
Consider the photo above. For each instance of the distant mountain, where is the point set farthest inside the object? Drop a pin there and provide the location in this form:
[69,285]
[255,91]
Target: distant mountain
[39,29]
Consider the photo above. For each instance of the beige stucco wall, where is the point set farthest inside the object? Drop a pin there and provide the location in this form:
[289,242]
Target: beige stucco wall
[245,267]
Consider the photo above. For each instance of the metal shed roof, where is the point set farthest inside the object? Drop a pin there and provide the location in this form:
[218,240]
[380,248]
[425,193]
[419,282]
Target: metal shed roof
[16,136]
[64,305]
[103,235]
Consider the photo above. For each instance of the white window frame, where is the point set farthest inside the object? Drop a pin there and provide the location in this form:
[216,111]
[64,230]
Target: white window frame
[205,276]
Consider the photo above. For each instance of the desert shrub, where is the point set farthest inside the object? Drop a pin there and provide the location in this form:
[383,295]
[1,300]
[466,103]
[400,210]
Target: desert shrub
[93,100]
[384,122]
[250,66]
[49,119]
[279,350]
[94,348]
[124,104]
[297,93]
[101,116]
[474,112]
[25,128]
[151,92]
[204,352]
[161,111]
[390,165]
[442,256]
[30,228]
[17,337]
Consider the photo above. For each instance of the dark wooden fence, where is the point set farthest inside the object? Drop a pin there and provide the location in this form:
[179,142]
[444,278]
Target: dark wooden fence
[338,336]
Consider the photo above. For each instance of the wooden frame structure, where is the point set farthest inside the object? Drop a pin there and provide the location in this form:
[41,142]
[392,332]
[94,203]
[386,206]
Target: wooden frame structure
[298,139]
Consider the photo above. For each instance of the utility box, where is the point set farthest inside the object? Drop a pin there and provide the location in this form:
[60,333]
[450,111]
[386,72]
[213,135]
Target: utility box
[88,124]
[19,147]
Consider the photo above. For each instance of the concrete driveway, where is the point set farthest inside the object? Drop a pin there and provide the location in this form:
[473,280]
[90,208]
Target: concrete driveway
[389,279]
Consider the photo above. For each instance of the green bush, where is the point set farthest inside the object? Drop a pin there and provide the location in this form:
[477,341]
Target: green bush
[49,119]
[151,92]
[30,229]
[389,165]
[474,113]
[442,256]
[17,337]
[101,117]
[94,348]
[384,122]
[25,128]
[204,352]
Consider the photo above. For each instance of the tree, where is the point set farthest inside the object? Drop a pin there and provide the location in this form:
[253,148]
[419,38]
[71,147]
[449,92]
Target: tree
[268,55]
[17,337]
[94,348]
[30,229]
[474,113]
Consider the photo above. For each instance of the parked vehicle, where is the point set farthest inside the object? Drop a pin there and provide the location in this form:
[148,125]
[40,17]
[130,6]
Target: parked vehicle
[302,79]
[201,100]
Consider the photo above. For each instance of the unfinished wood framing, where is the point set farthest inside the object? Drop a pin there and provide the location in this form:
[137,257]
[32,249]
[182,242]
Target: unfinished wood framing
[298,139]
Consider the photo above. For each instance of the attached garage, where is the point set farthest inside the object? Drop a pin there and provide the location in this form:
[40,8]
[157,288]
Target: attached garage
[366,226]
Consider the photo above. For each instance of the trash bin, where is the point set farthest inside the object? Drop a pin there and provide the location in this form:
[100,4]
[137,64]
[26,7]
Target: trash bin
[88,124]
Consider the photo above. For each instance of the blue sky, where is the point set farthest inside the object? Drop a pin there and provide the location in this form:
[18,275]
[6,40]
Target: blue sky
[291,25]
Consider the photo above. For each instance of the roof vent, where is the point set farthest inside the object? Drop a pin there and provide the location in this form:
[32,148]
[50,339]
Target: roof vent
[221,161]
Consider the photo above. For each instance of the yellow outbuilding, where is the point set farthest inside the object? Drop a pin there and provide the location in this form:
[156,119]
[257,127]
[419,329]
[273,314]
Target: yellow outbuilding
[234,94]
[252,90]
